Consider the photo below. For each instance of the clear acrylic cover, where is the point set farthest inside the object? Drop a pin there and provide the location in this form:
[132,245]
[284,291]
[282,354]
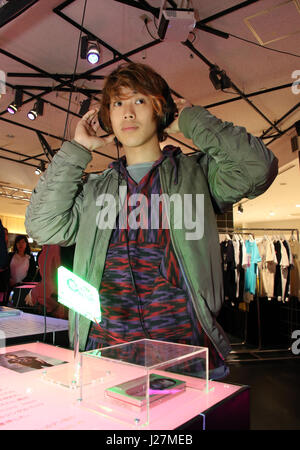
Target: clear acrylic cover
[142,378]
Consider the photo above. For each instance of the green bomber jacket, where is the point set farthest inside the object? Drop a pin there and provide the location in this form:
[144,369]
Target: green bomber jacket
[232,165]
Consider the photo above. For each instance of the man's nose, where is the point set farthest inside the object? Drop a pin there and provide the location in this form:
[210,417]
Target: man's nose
[129,113]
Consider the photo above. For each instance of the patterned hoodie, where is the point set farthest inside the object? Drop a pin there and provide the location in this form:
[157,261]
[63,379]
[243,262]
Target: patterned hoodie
[161,308]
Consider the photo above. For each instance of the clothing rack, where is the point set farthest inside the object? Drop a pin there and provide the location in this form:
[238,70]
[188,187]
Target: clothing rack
[247,231]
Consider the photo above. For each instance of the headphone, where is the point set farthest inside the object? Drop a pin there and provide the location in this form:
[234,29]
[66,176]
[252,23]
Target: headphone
[170,109]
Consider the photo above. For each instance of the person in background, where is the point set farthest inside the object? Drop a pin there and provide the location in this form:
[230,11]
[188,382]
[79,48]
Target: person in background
[22,264]
[50,258]
[4,271]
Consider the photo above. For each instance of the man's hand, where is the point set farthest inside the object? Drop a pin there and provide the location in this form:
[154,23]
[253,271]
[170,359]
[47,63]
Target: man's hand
[181,103]
[86,132]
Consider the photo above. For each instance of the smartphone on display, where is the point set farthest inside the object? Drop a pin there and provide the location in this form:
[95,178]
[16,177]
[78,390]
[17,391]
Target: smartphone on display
[134,391]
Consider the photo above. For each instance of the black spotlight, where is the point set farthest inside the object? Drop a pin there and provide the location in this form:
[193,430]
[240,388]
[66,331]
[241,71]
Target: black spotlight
[90,50]
[37,110]
[41,168]
[240,209]
[15,105]
[219,78]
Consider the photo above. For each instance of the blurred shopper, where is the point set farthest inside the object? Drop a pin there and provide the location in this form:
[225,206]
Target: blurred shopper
[22,265]
[4,269]
[45,293]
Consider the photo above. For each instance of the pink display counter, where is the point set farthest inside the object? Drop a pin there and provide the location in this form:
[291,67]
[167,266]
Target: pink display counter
[28,401]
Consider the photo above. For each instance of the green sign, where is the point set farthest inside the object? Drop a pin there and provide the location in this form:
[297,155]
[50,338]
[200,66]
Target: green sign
[77,294]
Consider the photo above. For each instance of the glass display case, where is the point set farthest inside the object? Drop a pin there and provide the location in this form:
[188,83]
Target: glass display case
[141,377]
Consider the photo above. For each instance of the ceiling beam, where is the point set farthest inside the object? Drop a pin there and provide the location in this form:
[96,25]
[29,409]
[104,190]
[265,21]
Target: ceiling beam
[46,75]
[251,94]
[227,11]
[293,109]
[12,152]
[16,161]
[30,128]
[55,89]
[13,9]
[142,5]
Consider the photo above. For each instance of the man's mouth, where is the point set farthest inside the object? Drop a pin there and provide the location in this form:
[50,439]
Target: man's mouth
[130,128]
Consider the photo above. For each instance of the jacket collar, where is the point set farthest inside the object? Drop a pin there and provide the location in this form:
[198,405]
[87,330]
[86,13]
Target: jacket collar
[169,152]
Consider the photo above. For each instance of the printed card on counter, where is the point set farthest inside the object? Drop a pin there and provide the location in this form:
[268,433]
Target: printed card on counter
[22,361]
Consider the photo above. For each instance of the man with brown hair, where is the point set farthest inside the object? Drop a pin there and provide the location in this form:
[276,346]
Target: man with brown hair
[158,269]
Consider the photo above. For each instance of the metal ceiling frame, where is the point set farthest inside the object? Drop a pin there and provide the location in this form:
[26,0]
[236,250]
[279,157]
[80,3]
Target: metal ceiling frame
[144,6]
[10,10]
[65,84]
[15,193]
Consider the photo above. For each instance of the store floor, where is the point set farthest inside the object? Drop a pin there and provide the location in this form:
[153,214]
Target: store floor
[273,378]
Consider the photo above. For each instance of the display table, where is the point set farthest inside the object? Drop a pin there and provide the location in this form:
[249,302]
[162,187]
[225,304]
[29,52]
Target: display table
[27,401]
[14,327]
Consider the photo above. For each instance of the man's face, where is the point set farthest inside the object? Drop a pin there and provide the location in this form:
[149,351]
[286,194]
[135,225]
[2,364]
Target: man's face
[132,119]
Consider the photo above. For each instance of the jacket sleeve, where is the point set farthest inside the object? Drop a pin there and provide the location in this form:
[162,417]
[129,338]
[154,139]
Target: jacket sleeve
[53,214]
[237,164]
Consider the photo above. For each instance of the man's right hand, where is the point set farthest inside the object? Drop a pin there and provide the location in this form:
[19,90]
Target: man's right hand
[86,132]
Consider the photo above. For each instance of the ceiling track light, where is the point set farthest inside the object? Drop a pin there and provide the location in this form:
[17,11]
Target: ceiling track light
[15,105]
[90,50]
[240,209]
[37,110]
[41,168]
[219,78]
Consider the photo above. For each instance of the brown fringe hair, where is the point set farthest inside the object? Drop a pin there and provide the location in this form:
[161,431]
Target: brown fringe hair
[140,78]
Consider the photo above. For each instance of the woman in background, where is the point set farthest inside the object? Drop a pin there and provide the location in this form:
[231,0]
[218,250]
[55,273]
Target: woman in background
[45,293]
[22,264]
[4,269]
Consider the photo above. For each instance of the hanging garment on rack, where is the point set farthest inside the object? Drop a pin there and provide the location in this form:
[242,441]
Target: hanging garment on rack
[266,267]
[250,261]
[277,282]
[228,267]
[236,250]
[286,292]
[295,270]
[241,274]
[284,265]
